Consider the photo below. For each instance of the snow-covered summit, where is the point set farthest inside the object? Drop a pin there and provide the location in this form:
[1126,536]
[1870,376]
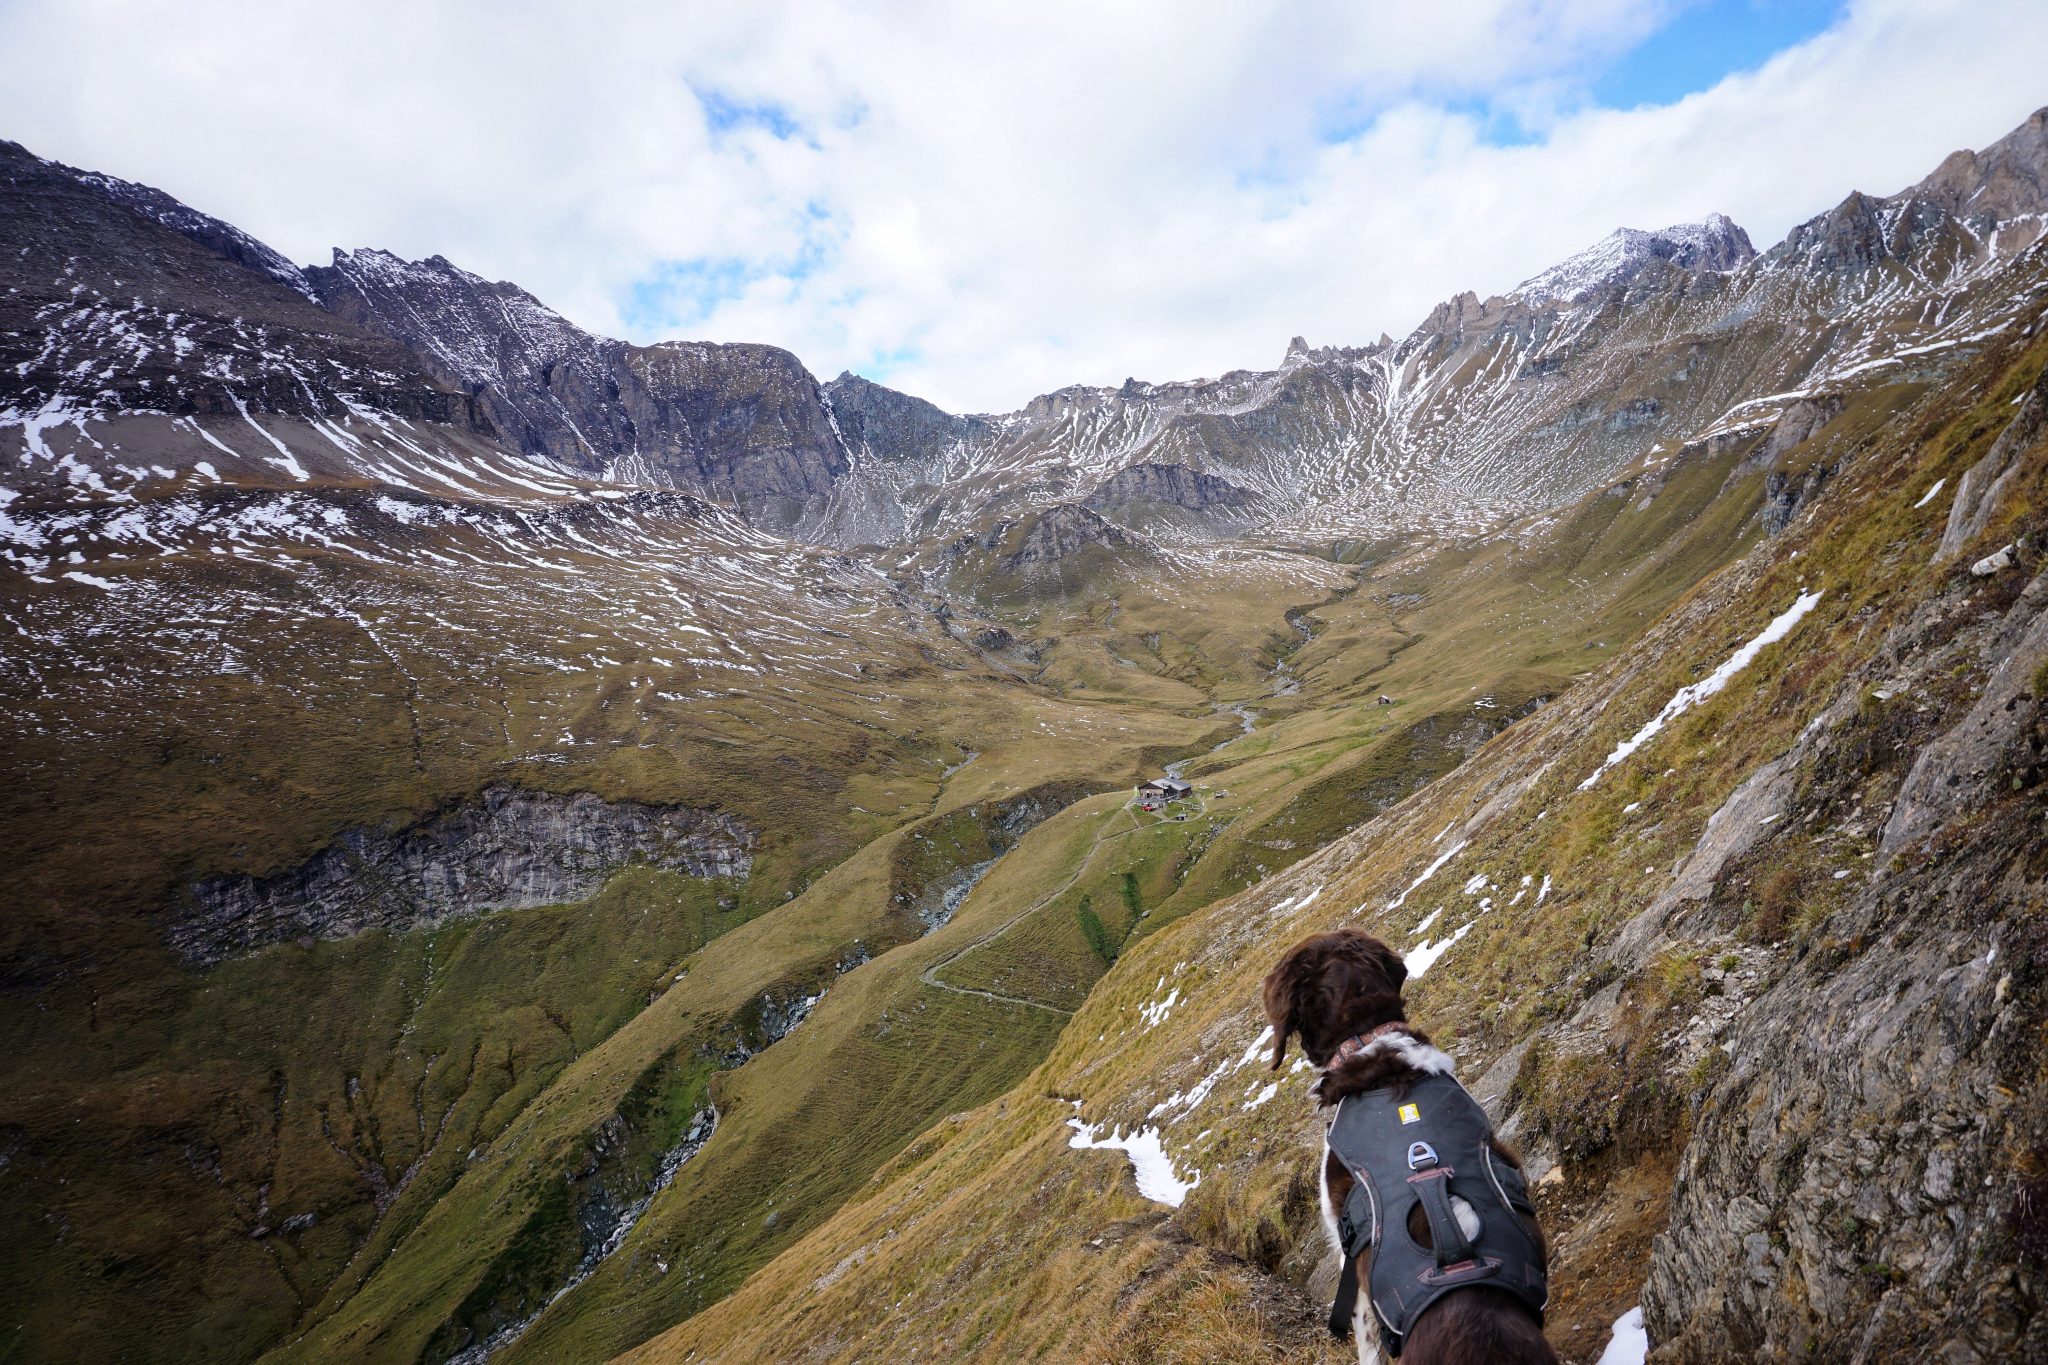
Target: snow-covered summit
[1716,243]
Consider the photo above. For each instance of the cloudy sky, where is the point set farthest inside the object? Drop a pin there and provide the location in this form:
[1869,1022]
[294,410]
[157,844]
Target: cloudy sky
[979,202]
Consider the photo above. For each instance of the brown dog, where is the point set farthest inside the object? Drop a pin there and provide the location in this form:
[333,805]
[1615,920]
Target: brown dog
[1341,993]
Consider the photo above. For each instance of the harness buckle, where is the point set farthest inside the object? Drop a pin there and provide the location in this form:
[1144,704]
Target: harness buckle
[1467,1271]
[1421,1156]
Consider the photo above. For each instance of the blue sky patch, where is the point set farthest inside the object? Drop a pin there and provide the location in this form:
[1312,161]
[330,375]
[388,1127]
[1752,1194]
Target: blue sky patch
[882,362]
[723,114]
[680,294]
[1705,42]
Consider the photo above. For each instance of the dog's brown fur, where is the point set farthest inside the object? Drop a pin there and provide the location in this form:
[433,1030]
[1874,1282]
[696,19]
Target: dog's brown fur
[1337,985]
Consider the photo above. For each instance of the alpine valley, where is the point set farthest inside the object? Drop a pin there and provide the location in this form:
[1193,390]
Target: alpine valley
[525,847]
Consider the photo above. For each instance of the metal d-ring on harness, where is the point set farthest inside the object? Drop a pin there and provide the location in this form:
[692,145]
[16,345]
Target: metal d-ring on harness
[1418,1146]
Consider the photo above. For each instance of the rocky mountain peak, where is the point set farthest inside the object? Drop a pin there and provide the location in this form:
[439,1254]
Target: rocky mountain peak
[468,325]
[120,298]
[1976,206]
[2003,181]
[881,423]
[1863,232]
[1046,537]
[2008,179]
[1715,243]
[744,424]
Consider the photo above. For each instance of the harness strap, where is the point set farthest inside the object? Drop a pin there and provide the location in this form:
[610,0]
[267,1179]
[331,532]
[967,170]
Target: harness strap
[1346,1303]
[1433,1189]
[1358,1220]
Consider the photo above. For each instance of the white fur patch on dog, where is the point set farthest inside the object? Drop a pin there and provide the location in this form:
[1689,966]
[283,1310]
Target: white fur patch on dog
[1468,1217]
[1366,1332]
[1323,1193]
[1422,1056]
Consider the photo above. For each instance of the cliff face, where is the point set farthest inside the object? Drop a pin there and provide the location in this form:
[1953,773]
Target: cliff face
[881,424]
[1040,540]
[511,850]
[744,424]
[1849,1191]
[1171,483]
[2007,180]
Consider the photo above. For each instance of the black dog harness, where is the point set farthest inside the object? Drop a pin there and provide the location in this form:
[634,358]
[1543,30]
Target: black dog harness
[1419,1145]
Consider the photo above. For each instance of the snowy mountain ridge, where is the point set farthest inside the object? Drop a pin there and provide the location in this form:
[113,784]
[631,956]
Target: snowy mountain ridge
[1715,243]
[1489,409]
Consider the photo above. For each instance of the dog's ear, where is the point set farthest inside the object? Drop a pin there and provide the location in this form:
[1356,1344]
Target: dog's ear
[1397,970]
[1279,997]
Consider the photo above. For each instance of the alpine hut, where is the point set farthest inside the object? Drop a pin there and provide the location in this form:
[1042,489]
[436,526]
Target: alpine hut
[1160,790]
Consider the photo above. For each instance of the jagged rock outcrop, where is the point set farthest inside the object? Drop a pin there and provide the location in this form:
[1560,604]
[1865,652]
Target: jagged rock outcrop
[2000,735]
[1863,232]
[1045,538]
[1714,244]
[1853,1188]
[1983,484]
[1975,207]
[1799,423]
[1846,1198]
[2007,180]
[900,449]
[222,239]
[881,424]
[1786,493]
[510,850]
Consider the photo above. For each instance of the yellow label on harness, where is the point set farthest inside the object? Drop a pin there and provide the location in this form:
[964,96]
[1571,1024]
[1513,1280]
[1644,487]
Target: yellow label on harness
[1410,1114]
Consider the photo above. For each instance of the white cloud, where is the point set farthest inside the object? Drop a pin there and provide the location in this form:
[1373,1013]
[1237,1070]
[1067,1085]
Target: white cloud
[1003,201]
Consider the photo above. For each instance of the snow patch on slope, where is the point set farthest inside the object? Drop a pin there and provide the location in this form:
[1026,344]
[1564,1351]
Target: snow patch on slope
[1693,694]
[1157,1179]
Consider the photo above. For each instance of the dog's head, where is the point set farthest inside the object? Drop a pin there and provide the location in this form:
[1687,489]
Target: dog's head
[1329,987]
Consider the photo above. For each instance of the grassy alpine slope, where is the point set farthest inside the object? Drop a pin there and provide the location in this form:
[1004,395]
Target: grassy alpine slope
[208,1160]
[491,1052]
[1618,964]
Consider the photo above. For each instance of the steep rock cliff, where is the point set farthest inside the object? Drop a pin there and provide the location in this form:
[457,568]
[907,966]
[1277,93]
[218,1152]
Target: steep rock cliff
[510,850]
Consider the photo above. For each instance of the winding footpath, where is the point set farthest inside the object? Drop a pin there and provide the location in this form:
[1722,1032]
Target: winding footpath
[930,974]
